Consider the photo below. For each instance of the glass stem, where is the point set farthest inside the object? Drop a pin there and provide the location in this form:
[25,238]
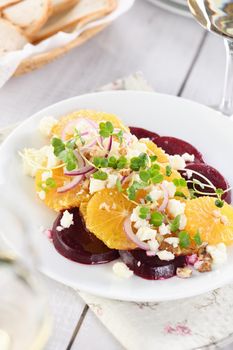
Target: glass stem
[226,105]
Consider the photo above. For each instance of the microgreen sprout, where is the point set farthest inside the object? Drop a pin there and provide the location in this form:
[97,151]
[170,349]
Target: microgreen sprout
[184,238]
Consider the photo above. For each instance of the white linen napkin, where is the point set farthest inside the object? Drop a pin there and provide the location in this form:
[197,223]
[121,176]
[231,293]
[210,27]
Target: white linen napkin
[202,322]
[11,60]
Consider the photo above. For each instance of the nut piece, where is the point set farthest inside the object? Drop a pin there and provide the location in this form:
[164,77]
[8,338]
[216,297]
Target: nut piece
[184,272]
[205,266]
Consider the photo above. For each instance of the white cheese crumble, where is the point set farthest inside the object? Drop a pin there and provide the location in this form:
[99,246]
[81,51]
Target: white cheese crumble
[146,233]
[164,229]
[177,162]
[165,255]
[67,219]
[175,207]
[218,253]
[96,185]
[155,193]
[188,157]
[122,270]
[170,187]
[46,175]
[111,181]
[136,148]
[41,195]
[153,244]
[34,159]
[183,222]
[46,124]
[174,241]
[189,173]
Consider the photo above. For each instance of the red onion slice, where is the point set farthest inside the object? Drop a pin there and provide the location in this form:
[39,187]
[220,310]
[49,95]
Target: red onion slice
[81,162]
[71,184]
[164,204]
[131,235]
[83,171]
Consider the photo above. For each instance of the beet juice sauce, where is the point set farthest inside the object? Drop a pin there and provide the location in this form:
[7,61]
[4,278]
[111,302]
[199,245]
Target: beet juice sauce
[78,244]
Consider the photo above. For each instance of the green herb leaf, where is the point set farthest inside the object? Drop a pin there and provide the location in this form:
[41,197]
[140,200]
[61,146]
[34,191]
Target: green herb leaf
[180,182]
[175,224]
[156,179]
[143,212]
[121,163]
[156,219]
[100,175]
[132,190]
[58,146]
[184,239]
[106,129]
[100,162]
[50,183]
[144,175]
[219,203]
[197,238]
[112,162]
[219,192]
[119,135]
[180,194]
[68,157]
[168,170]
[153,158]
[118,185]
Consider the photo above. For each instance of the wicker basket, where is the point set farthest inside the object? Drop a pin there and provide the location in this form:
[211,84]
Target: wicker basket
[40,60]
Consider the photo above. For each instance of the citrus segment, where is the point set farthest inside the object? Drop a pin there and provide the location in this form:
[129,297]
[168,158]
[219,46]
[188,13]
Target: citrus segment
[93,115]
[162,157]
[106,212]
[60,201]
[215,225]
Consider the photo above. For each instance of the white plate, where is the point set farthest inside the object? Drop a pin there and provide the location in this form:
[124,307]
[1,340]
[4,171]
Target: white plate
[22,214]
[174,6]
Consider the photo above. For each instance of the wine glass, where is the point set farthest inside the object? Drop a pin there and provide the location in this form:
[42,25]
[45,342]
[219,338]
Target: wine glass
[217,16]
[25,321]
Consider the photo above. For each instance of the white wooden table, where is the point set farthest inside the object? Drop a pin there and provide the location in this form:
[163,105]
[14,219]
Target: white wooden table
[176,56]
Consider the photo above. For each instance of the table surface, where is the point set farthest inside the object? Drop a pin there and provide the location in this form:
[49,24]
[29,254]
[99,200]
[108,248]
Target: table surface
[175,55]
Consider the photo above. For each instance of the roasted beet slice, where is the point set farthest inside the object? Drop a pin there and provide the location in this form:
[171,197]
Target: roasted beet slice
[143,133]
[151,268]
[172,145]
[210,173]
[78,244]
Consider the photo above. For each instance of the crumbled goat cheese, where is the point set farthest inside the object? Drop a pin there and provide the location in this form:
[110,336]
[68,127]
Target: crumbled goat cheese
[42,195]
[96,185]
[46,175]
[175,207]
[122,270]
[135,214]
[104,206]
[170,187]
[177,162]
[136,148]
[164,229]
[153,244]
[188,157]
[218,253]
[34,159]
[184,272]
[112,179]
[155,193]
[174,241]
[183,222]
[139,263]
[145,233]
[59,228]
[46,124]
[67,219]
[165,255]
[141,223]
[189,174]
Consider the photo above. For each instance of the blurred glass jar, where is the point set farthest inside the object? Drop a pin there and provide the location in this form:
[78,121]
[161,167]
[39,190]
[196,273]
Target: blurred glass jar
[25,323]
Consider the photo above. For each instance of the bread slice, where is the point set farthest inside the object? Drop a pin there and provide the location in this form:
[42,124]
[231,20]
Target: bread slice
[30,15]
[5,3]
[62,5]
[11,39]
[83,12]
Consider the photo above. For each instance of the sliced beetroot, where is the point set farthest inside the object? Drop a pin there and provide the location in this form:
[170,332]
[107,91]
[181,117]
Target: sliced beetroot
[143,133]
[172,145]
[151,267]
[211,174]
[78,244]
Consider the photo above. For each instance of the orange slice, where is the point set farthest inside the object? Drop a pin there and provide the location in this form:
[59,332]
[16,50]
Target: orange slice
[203,215]
[106,212]
[59,201]
[93,115]
[162,157]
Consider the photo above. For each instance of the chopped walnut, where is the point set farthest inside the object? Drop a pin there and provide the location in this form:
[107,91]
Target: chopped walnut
[123,151]
[125,172]
[203,255]
[184,272]
[205,266]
